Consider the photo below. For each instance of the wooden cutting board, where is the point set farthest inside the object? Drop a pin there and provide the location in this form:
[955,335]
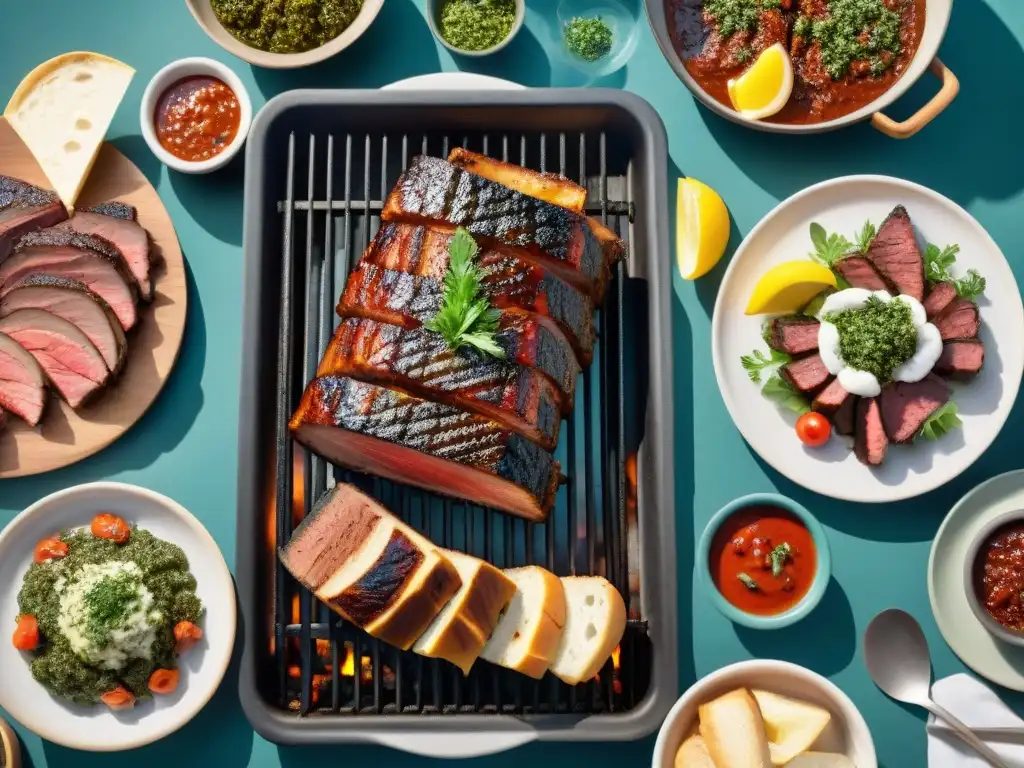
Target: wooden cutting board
[64,436]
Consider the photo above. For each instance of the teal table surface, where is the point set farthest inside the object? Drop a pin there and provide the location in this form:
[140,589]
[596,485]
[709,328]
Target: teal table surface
[186,446]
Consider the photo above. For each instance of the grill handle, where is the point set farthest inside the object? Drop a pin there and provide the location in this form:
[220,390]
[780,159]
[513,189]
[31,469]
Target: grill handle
[445,746]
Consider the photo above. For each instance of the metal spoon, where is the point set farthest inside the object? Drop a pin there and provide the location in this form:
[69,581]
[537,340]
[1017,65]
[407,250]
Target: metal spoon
[897,658]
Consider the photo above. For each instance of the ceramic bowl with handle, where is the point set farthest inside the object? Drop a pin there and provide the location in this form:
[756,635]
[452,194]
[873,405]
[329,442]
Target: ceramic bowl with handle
[975,552]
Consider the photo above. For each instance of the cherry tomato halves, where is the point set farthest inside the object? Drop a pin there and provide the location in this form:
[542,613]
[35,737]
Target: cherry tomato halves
[813,429]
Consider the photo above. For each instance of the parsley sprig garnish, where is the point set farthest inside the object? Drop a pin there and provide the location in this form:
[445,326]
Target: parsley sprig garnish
[757,363]
[937,264]
[779,556]
[828,249]
[466,318]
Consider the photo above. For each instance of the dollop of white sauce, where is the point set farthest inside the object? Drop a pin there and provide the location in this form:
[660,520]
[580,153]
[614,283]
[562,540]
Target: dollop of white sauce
[864,383]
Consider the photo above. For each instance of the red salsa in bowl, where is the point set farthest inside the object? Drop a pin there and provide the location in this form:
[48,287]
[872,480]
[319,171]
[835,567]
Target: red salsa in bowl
[197,118]
[999,575]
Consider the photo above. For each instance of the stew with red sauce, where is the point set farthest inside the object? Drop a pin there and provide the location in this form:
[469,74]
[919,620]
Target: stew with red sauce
[835,73]
[999,576]
[763,560]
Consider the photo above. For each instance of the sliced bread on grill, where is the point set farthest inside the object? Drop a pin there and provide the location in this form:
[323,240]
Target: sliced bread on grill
[461,630]
[595,619]
[529,631]
[370,567]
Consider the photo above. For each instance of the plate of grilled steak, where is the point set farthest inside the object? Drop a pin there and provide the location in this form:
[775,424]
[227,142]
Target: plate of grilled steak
[889,367]
[92,308]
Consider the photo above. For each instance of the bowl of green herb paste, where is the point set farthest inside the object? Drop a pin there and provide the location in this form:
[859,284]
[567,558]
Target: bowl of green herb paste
[284,34]
[475,27]
[596,37]
[120,613]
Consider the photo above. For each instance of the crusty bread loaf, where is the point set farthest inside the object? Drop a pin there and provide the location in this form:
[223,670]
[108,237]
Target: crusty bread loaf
[693,753]
[733,731]
[527,636]
[370,567]
[594,622]
[461,630]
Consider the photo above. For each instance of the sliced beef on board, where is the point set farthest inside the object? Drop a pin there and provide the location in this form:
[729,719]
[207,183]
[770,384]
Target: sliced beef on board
[22,382]
[794,334]
[420,361]
[70,361]
[23,209]
[806,374]
[941,296]
[896,255]
[87,259]
[870,441]
[907,405]
[437,447]
[860,273]
[116,223]
[960,320]
[961,358]
[73,301]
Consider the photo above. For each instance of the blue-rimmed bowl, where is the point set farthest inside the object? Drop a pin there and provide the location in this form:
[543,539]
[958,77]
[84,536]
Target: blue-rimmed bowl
[821,576]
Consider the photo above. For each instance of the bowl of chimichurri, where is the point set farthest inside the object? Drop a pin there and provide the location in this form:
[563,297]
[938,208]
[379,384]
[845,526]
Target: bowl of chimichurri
[284,34]
[120,616]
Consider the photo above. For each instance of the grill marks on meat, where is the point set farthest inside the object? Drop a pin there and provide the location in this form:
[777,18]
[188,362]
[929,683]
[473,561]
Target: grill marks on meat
[870,441]
[419,361]
[896,255]
[940,297]
[806,374]
[22,382]
[549,187]
[860,273]
[432,190]
[907,405]
[430,445]
[511,282]
[25,208]
[794,334]
[116,223]
[960,320]
[961,358]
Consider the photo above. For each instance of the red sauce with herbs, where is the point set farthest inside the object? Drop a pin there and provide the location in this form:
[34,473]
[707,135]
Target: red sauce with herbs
[197,118]
[744,569]
[999,576]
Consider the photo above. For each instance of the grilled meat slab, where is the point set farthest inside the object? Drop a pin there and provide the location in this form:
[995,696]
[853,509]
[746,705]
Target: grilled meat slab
[419,361]
[116,223]
[794,334]
[940,297]
[960,320]
[25,208]
[961,358]
[870,442]
[896,255]
[549,187]
[409,301]
[510,281]
[437,447]
[22,382]
[860,273]
[831,398]
[906,406]
[807,374]
[432,191]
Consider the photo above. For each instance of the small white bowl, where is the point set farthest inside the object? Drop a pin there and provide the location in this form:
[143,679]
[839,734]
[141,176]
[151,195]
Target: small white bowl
[434,8]
[168,76]
[847,733]
[97,729]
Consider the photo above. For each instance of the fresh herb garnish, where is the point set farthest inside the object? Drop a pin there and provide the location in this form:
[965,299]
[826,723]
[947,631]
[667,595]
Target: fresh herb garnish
[466,317]
[878,337]
[779,556]
[757,363]
[971,285]
[828,249]
[865,236]
[784,395]
[943,421]
[748,582]
[937,264]
[856,30]
[589,39]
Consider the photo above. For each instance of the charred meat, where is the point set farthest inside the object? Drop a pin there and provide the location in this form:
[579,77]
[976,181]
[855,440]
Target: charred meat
[549,187]
[25,208]
[906,406]
[860,273]
[896,255]
[961,358]
[794,334]
[960,320]
[116,223]
[940,297]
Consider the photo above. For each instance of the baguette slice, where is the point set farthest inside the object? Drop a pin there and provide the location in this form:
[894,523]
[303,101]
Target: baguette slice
[694,754]
[733,731]
[370,567]
[595,619]
[461,630]
[792,726]
[527,636]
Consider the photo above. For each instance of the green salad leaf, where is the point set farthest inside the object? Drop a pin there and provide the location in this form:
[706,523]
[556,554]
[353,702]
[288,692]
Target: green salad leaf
[828,249]
[784,395]
[940,423]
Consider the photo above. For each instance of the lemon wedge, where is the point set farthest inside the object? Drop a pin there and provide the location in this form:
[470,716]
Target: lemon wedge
[765,88]
[702,228]
[788,287]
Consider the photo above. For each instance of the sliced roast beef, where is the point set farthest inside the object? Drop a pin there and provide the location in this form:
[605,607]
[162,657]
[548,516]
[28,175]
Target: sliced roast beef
[794,334]
[74,302]
[437,447]
[806,374]
[831,398]
[116,223]
[896,255]
[940,297]
[859,273]
[71,362]
[22,381]
[960,320]
[907,405]
[23,209]
[870,442]
[845,417]
[84,258]
[961,358]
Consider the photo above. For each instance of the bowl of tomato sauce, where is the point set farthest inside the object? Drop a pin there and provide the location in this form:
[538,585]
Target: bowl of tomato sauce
[764,561]
[994,577]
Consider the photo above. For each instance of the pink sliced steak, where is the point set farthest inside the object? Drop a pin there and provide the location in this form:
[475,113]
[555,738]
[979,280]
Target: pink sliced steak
[896,255]
[22,382]
[961,358]
[845,416]
[859,273]
[831,398]
[116,223]
[940,297]
[870,441]
[23,209]
[806,374]
[71,362]
[907,405]
[794,334]
[960,320]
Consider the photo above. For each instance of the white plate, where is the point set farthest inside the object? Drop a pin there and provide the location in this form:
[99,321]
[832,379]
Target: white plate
[96,728]
[453,81]
[978,649]
[842,205]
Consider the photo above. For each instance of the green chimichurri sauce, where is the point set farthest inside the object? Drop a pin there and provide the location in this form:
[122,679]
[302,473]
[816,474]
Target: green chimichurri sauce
[855,30]
[286,26]
[877,338]
[733,16]
[162,569]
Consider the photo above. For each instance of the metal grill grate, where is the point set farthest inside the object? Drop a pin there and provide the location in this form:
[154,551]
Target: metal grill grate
[332,199]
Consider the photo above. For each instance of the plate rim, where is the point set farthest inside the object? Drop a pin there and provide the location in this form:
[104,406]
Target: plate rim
[434,81]
[1011,384]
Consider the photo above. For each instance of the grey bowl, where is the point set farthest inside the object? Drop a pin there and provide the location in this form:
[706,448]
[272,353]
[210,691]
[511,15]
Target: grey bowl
[434,16]
[994,628]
